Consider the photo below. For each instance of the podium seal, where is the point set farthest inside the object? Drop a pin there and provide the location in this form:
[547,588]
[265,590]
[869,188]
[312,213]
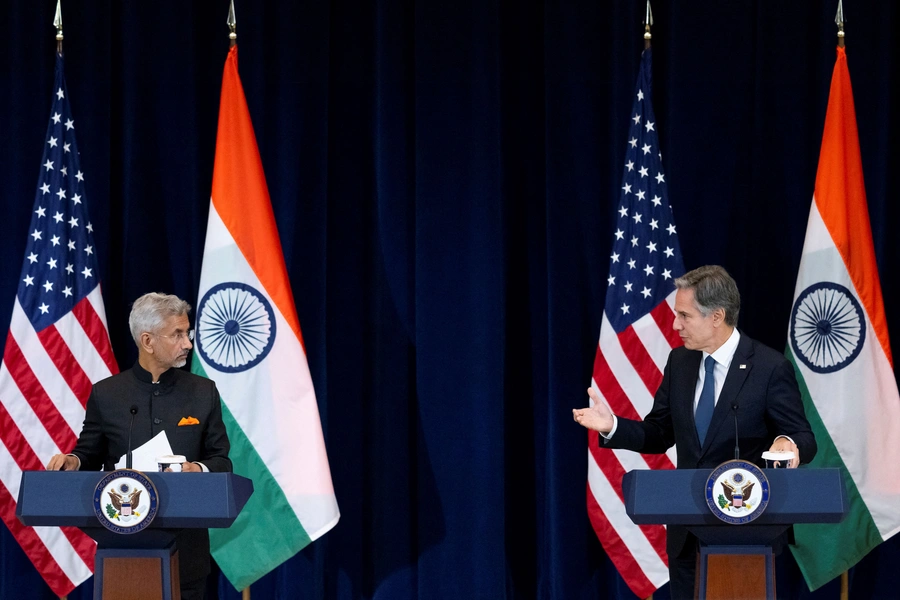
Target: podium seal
[737,492]
[125,501]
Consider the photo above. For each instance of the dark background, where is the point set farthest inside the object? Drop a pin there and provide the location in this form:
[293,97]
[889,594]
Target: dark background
[444,176]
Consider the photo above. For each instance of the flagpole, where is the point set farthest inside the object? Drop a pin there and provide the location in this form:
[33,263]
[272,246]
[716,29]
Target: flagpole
[648,21]
[839,21]
[57,22]
[232,42]
[232,25]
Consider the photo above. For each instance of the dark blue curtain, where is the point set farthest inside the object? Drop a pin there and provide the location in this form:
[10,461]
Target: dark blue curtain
[444,177]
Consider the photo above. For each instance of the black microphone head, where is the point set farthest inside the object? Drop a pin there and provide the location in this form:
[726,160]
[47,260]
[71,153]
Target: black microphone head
[734,406]
[133,410]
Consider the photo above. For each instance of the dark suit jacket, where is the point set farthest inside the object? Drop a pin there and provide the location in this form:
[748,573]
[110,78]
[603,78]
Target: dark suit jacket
[760,382]
[104,435]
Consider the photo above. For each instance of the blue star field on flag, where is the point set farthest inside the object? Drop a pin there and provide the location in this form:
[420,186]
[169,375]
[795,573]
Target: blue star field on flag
[646,256]
[60,267]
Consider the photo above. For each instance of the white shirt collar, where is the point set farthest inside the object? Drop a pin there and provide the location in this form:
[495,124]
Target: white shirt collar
[725,353]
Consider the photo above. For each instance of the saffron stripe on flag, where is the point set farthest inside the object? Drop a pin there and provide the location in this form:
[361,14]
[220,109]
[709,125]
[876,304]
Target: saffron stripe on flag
[852,402]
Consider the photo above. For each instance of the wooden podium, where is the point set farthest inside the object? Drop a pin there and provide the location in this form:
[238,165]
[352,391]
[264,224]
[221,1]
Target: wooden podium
[144,564]
[735,561]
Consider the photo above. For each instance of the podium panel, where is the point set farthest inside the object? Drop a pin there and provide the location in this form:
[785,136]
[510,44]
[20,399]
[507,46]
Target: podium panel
[735,561]
[142,564]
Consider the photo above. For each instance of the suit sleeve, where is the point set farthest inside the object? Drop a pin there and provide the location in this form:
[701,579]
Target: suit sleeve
[655,434]
[91,448]
[215,442]
[784,410]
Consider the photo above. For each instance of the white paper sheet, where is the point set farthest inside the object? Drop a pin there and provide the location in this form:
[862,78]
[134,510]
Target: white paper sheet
[144,458]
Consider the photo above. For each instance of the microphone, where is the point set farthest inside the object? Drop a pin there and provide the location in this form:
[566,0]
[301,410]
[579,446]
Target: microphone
[133,410]
[737,448]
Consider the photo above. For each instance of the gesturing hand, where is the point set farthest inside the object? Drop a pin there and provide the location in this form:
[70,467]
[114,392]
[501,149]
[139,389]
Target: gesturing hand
[597,417]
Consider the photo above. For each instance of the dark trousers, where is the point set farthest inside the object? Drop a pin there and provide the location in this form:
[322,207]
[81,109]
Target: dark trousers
[194,590]
[683,571]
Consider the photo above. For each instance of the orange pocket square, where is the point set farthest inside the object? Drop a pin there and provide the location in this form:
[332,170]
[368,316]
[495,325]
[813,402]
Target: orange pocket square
[188,421]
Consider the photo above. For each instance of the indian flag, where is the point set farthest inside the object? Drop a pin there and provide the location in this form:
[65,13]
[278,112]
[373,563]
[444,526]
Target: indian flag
[838,342]
[249,342]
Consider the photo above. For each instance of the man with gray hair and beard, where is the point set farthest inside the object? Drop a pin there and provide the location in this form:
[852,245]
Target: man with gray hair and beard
[720,376]
[187,407]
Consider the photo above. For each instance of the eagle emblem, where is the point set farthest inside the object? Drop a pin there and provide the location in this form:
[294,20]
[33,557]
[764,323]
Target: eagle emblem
[125,501]
[125,505]
[735,495]
[737,492]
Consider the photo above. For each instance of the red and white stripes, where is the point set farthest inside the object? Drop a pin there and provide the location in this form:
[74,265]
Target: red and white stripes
[45,381]
[628,369]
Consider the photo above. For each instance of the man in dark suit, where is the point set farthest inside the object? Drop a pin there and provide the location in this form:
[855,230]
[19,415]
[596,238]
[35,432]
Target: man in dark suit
[717,376]
[185,406]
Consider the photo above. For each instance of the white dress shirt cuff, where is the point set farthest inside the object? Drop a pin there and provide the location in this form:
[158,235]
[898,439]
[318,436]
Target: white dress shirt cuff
[612,432]
[76,458]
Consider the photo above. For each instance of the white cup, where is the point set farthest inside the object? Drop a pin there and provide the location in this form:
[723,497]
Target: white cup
[172,462]
[783,458]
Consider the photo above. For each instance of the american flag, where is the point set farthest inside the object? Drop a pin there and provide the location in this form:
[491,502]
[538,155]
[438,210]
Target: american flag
[636,337]
[57,346]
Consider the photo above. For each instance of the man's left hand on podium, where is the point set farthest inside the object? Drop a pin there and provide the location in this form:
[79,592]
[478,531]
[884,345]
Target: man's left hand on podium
[784,444]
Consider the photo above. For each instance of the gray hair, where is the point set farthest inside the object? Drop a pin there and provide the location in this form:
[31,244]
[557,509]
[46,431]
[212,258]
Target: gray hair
[713,289]
[150,311]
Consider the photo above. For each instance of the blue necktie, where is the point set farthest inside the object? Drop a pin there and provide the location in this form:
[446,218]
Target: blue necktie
[707,402]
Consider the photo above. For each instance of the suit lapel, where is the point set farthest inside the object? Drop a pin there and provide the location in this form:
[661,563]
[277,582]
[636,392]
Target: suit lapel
[740,368]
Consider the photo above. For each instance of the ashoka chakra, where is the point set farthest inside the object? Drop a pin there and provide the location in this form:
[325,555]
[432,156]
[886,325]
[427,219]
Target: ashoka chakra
[235,327]
[828,327]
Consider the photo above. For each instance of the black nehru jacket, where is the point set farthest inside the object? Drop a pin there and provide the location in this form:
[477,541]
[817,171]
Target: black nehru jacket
[161,406]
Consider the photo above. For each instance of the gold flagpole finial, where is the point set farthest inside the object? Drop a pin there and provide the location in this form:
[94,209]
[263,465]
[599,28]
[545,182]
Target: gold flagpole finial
[57,22]
[648,21]
[839,20]
[232,25]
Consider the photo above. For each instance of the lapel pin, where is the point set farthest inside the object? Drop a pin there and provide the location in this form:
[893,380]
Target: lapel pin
[743,366]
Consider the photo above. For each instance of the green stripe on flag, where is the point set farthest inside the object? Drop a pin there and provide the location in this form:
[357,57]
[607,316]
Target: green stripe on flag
[825,551]
[267,532]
